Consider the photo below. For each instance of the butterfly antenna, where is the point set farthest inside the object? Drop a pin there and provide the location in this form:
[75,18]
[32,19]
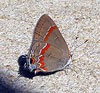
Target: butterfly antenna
[70,65]
[78,47]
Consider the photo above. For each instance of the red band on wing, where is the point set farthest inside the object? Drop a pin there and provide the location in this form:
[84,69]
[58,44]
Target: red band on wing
[41,61]
[49,32]
[44,49]
[44,69]
[42,57]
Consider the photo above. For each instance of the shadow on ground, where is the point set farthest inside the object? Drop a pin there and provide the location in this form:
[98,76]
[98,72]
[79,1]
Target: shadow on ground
[5,87]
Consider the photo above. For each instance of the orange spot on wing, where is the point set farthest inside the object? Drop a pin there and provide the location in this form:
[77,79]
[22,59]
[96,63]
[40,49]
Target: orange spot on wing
[49,32]
[33,60]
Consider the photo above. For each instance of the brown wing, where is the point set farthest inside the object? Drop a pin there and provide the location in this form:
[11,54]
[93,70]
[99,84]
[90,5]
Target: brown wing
[46,32]
[54,58]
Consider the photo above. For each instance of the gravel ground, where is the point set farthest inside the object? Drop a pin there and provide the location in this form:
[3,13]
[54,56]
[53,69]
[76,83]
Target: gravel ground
[78,21]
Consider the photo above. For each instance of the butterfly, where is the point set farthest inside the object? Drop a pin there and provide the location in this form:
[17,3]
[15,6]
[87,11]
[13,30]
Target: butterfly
[48,51]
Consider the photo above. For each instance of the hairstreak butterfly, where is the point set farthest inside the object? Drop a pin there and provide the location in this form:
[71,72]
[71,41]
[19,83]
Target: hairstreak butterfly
[48,51]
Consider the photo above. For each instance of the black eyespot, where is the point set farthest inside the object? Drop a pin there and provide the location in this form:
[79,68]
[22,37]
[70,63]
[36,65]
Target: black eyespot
[31,60]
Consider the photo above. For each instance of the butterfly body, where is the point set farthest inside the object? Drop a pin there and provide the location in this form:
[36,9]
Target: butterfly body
[48,51]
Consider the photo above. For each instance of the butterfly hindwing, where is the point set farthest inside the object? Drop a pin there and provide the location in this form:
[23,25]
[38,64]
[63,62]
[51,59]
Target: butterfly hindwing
[54,59]
[49,46]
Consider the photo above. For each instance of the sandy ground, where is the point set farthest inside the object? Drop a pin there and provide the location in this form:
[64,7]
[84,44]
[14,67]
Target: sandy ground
[78,20]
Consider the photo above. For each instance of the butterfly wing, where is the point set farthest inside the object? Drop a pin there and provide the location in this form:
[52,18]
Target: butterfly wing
[48,45]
